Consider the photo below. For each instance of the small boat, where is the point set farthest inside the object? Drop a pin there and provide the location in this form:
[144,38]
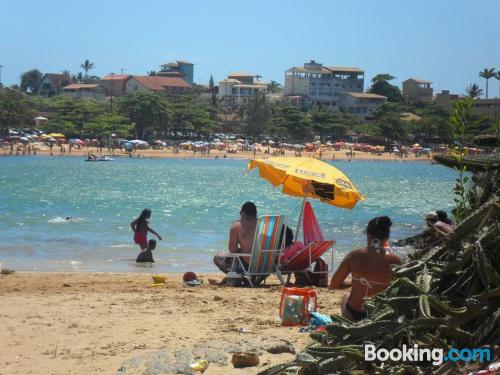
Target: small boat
[105,158]
[102,158]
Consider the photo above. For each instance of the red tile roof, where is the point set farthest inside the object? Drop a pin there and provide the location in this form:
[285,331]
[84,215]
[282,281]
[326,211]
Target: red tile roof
[158,83]
[116,77]
[170,73]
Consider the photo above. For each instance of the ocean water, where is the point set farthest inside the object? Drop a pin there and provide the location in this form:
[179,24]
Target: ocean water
[194,203]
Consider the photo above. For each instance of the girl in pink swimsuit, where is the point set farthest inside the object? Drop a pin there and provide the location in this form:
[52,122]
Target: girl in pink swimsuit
[141,227]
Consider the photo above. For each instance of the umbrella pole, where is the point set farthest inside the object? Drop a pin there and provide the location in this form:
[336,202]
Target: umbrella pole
[300,218]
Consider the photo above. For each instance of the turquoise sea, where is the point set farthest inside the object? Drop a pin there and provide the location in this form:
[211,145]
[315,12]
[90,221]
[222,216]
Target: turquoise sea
[193,204]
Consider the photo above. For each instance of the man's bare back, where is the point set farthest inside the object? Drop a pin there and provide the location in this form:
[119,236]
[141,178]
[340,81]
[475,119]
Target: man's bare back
[241,236]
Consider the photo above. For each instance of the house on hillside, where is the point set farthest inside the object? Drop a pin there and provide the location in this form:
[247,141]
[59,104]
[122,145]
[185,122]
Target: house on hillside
[52,83]
[167,85]
[238,87]
[114,84]
[178,69]
[85,90]
[323,86]
[418,90]
[362,104]
[445,100]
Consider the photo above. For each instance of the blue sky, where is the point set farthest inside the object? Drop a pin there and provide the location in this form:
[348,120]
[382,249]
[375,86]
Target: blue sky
[446,41]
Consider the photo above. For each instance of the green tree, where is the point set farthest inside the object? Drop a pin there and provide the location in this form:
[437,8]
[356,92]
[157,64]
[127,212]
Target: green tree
[381,86]
[213,92]
[30,80]
[68,128]
[103,126]
[76,111]
[87,65]
[257,113]
[274,87]
[487,74]
[290,123]
[473,91]
[149,112]
[15,109]
[392,127]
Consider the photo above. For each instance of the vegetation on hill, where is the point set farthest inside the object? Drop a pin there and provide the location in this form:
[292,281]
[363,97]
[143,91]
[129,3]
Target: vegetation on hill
[151,115]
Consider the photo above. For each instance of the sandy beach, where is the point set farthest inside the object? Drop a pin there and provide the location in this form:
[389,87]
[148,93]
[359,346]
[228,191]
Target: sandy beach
[168,153]
[115,323]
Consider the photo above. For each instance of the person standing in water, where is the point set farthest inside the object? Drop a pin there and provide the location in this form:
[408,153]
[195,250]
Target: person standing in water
[141,227]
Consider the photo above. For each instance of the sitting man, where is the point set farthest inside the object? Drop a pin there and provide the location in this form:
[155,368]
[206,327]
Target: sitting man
[370,268]
[241,238]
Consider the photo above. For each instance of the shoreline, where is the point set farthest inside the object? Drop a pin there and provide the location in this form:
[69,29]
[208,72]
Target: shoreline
[74,322]
[215,155]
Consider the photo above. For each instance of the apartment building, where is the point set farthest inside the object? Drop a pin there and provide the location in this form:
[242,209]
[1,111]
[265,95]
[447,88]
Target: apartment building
[320,85]
[238,87]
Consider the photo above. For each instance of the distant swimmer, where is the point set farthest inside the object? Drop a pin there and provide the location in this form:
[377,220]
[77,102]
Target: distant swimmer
[141,227]
[147,255]
[68,218]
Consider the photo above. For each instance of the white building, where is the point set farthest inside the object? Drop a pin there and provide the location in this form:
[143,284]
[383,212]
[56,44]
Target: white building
[320,85]
[85,90]
[239,87]
[362,104]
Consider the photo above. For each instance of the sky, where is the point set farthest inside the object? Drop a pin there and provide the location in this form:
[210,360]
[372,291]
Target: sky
[445,41]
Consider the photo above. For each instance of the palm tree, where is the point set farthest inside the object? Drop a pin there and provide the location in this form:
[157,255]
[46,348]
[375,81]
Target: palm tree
[65,72]
[274,87]
[497,76]
[473,91]
[87,65]
[487,74]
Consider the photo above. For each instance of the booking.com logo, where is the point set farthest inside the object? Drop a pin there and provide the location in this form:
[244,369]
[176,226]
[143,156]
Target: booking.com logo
[416,354]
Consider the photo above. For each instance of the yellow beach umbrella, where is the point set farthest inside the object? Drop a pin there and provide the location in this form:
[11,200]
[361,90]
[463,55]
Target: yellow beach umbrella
[309,178]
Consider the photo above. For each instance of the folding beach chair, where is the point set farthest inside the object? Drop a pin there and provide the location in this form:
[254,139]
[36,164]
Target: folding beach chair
[315,246]
[268,243]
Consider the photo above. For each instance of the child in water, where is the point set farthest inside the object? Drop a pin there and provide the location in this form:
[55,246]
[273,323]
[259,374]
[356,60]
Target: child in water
[141,227]
[147,255]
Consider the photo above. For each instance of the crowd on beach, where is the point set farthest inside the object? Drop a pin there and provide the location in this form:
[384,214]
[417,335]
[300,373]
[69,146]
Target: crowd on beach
[366,270]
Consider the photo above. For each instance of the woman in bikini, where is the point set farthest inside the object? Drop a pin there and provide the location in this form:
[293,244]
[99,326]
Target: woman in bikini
[141,227]
[370,268]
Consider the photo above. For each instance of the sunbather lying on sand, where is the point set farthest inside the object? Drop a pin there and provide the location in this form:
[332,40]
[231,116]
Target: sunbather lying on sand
[370,267]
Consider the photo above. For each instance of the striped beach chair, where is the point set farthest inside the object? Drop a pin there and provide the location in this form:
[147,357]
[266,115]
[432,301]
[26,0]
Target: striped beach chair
[268,243]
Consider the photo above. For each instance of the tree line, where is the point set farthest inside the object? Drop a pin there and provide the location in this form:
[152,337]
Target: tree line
[148,115]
